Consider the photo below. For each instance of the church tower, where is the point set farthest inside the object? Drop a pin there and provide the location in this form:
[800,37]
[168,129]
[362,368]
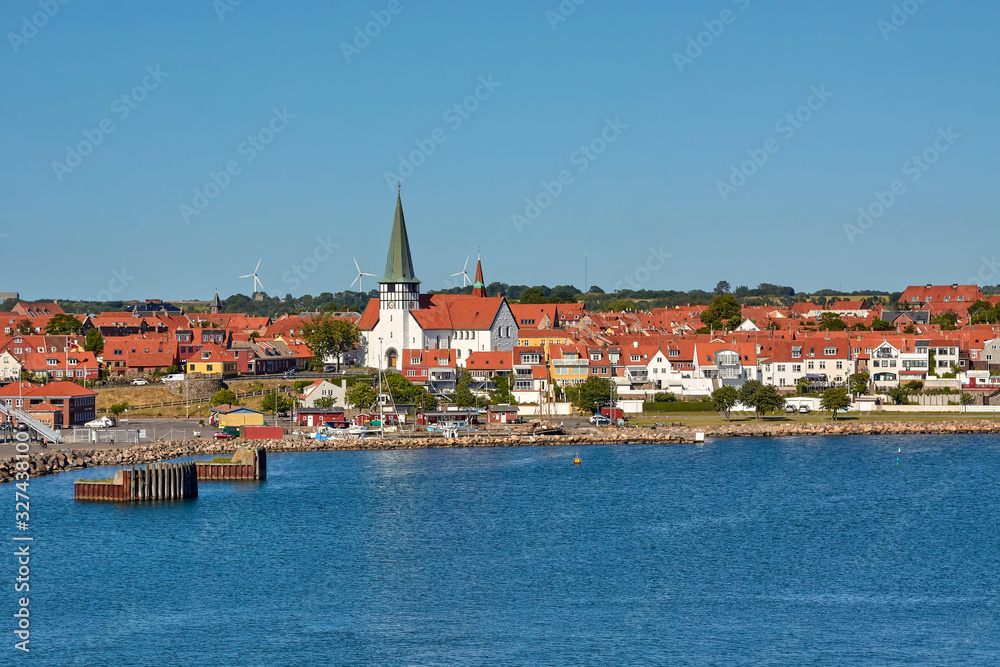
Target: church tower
[479,287]
[399,288]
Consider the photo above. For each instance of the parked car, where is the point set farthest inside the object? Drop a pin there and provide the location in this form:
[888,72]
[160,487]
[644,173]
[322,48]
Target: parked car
[100,422]
[601,420]
[804,410]
[222,435]
[173,377]
[290,373]
[139,382]
[790,409]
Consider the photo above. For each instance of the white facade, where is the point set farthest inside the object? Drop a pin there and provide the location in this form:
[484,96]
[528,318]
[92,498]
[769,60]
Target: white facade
[10,367]
[325,389]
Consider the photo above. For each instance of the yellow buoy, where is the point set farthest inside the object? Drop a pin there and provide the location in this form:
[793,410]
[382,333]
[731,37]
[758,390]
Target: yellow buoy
[577,461]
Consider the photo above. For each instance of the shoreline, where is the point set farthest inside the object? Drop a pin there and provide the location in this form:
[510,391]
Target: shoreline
[50,462]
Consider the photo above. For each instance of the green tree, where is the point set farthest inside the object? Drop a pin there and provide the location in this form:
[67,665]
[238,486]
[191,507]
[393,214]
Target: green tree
[747,390]
[62,324]
[858,382]
[328,337]
[94,342]
[664,397]
[275,403]
[118,408]
[765,400]
[966,398]
[620,305]
[501,391]
[724,399]
[594,392]
[721,287]
[463,396]
[948,320]
[324,402]
[224,397]
[25,328]
[881,325]
[533,295]
[361,396]
[404,391]
[831,322]
[899,395]
[835,399]
[801,386]
[724,307]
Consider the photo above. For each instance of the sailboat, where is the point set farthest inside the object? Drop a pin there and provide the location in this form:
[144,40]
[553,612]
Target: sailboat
[538,428]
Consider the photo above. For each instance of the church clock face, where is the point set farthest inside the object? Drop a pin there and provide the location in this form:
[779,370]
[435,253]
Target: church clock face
[392,304]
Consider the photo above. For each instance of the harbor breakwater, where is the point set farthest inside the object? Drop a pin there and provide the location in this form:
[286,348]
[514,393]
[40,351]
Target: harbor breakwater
[49,462]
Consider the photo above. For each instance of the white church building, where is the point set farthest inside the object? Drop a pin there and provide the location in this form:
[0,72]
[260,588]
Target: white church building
[404,319]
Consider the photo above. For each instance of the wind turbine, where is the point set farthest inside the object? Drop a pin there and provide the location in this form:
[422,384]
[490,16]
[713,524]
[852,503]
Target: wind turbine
[256,281]
[465,276]
[360,279]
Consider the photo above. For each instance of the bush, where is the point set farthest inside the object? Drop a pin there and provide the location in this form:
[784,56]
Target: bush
[664,397]
[224,396]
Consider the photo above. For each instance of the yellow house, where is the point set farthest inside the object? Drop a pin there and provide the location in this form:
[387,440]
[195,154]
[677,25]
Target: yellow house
[568,364]
[541,337]
[212,361]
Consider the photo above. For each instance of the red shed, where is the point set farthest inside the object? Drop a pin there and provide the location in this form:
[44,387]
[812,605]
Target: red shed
[320,416]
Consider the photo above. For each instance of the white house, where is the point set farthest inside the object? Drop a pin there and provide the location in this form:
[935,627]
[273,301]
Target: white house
[323,389]
[10,367]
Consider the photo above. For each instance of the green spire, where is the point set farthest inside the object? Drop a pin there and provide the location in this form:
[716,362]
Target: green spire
[398,265]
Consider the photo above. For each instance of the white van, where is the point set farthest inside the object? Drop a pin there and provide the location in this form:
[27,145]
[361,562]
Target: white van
[175,377]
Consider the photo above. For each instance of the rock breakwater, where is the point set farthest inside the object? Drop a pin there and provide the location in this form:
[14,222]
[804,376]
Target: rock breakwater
[49,462]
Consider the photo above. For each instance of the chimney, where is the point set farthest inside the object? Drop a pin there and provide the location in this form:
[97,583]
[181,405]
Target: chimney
[954,286]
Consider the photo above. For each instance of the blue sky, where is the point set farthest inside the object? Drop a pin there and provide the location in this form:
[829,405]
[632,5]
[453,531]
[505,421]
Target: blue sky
[113,222]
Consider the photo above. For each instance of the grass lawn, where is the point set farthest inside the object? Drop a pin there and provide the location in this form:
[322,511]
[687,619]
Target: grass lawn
[695,420]
[153,394]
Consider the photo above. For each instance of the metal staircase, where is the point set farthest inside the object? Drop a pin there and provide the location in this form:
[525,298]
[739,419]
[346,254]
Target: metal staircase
[38,427]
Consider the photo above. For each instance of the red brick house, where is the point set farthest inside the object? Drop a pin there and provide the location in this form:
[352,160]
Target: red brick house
[75,404]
